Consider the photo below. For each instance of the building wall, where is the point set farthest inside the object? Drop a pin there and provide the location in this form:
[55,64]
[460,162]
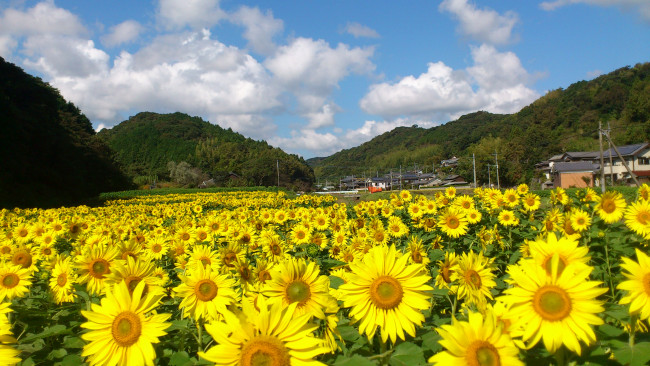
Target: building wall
[567,180]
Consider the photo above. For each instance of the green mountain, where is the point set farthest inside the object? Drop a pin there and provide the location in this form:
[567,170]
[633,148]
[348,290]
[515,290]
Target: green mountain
[49,151]
[146,143]
[562,120]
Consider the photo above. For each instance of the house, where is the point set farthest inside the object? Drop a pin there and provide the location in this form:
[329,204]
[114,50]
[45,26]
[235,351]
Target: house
[453,180]
[449,162]
[578,174]
[379,182]
[637,157]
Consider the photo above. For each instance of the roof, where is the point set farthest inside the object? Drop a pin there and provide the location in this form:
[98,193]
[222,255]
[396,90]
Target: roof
[556,157]
[575,166]
[626,150]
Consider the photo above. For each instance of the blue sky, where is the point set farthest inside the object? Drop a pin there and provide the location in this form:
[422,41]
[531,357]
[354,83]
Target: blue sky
[315,77]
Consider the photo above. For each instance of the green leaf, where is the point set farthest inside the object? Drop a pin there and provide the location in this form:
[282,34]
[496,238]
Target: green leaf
[609,331]
[48,332]
[430,342]
[72,342]
[71,360]
[349,333]
[57,353]
[407,354]
[335,282]
[180,359]
[637,355]
[355,360]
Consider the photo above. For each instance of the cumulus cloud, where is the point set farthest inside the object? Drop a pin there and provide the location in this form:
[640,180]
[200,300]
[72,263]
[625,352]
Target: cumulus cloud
[496,83]
[642,7]
[358,30]
[7,45]
[260,28]
[196,14]
[323,144]
[43,18]
[124,32]
[311,70]
[484,25]
[62,56]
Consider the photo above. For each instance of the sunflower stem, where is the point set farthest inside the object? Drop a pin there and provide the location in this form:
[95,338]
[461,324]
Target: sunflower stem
[633,319]
[560,356]
[609,271]
[199,338]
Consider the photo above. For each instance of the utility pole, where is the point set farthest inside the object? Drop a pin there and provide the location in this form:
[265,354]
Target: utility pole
[474,164]
[602,160]
[497,161]
[611,162]
[489,177]
[277,165]
[400,176]
[627,167]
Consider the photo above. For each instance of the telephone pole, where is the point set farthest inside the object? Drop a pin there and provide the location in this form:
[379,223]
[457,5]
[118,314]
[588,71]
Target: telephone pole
[474,164]
[497,164]
[277,166]
[602,160]
[489,177]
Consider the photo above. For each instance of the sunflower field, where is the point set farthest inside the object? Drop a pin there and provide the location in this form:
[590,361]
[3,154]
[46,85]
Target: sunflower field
[261,278]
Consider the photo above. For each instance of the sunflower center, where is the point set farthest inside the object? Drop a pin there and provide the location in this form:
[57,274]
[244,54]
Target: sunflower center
[379,236]
[10,280]
[482,353]
[300,235]
[386,292]
[552,303]
[608,206]
[561,264]
[202,236]
[298,291]
[47,251]
[446,274]
[264,351]
[132,282]
[229,259]
[275,249]
[99,267]
[473,278]
[206,290]
[643,217]
[185,237]
[264,276]
[452,222]
[156,248]
[126,328]
[62,279]
[416,256]
[22,258]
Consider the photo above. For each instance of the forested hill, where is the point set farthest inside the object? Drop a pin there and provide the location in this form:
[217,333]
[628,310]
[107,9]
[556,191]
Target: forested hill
[49,153]
[562,120]
[146,143]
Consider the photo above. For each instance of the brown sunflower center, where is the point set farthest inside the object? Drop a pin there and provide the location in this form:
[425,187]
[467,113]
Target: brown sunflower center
[275,249]
[22,258]
[62,279]
[202,235]
[552,303]
[608,205]
[206,290]
[10,280]
[452,222]
[446,273]
[229,259]
[185,237]
[126,328]
[264,276]
[379,236]
[482,353]
[301,235]
[99,267]
[156,248]
[643,217]
[386,292]
[298,291]
[416,256]
[264,351]
[132,282]
[473,278]
[646,283]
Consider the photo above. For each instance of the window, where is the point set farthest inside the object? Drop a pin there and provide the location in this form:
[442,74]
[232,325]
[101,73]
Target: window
[644,161]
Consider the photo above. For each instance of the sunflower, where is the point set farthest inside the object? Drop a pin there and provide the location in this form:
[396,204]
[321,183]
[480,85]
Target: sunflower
[610,206]
[531,202]
[93,266]
[522,189]
[580,220]
[378,236]
[464,201]
[274,248]
[132,272]
[14,281]
[264,335]
[559,196]
[205,293]
[229,255]
[262,271]
[62,281]
[511,197]
[383,291]
[121,328]
[637,218]
[637,284]
[543,250]
[445,270]
[156,247]
[453,222]
[473,215]
[297,280]
[203,256]
[479,341]
[26,256]
[556,308]
[300,234]
[416,251]
[450,192]
[8,355]
[396,228]
[474,278]
[508,218]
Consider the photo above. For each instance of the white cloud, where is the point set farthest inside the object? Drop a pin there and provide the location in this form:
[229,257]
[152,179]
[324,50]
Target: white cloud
[642,7]
[484,25]
[7,45]
[196,14]
[260,28]
[311,70]
[63,56]
[323,117]
[325,144]
[124,32]
[496,83]
[358,30]
[594,74]
[43,18]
